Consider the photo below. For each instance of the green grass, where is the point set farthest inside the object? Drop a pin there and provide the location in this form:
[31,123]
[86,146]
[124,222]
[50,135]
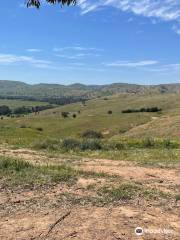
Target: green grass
[122,138]
[124,191]
[177,197]
[19,103]
[19,173]
[15,172]
[127,191]
[153,152]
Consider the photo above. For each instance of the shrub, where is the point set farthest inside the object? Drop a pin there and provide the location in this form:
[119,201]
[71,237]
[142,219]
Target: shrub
[92,134]
[51,144]
[39,129]
[91,144]
[23,126]
[70,144]
[109,112]
[65,114]
[117,145]
[148,142]
[177,197]
[74,115]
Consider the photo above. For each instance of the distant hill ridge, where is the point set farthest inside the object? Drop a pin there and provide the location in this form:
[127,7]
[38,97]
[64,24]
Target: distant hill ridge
[17,88]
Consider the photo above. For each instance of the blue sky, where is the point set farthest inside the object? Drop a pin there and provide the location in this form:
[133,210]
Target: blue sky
[95,42]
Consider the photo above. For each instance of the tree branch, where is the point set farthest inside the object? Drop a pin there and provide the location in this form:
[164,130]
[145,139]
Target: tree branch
[37,3]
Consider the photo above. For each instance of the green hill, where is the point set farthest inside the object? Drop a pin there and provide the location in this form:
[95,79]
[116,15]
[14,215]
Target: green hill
[15,88]
[94,115]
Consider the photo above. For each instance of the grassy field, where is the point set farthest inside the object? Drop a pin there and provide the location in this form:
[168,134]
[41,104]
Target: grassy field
[94,115]
[12,104]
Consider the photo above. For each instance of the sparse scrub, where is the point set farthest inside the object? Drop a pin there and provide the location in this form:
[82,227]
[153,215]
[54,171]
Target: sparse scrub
[177,197]
[11,164]
[92,134]
[71,144]
[65,114]
[23,126]
[116,146]
[148,143]
[125,191]
[91,144]
[49,144]
[19,172]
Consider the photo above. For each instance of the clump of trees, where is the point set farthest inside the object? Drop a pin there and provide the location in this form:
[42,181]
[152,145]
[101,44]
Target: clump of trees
[6,111]
[149,109]
[51,100]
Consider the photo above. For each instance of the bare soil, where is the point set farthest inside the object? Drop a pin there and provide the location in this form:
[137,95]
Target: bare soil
[36,212]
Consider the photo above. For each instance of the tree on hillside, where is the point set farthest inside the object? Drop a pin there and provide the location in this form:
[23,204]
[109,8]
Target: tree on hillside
[37,3]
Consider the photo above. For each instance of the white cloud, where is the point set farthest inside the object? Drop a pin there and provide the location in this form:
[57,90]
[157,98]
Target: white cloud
[77,52]
[166,10]
[12,59]
[132,64]
[77,56]
[33,50]
[76,48]
[176,29]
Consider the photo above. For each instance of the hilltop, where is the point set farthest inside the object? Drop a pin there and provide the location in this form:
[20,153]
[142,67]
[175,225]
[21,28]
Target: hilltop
[42,90]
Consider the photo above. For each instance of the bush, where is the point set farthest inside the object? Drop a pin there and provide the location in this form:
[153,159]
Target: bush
[74,115]
[23,126]
[117,146]
[39,129]
[51,144]
[92,134]
[148,142]
[177,197]
[91,144]
[70,144]
[65,114]
[109,112]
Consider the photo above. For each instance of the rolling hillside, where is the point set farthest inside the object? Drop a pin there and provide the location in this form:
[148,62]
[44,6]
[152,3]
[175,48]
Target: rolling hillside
[14,88]
[94,115]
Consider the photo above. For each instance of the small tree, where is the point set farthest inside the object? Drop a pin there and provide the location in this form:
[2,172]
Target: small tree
[5,110]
